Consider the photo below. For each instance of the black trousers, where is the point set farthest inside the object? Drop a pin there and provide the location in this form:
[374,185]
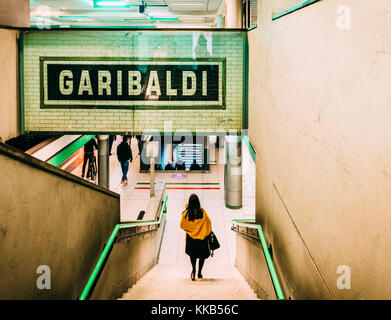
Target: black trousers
[87,158]
[193,261]
[111,140]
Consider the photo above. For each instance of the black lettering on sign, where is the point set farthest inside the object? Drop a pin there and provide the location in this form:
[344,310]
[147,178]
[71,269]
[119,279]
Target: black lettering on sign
[120,83]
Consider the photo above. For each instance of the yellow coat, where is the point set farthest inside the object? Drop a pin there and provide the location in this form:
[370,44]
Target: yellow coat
[198,228]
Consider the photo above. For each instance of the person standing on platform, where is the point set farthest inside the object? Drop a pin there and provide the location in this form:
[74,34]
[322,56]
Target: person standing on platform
[124,155]
[89,148]
[112,137]
[139,144]
[180,165]
[169,166]
[198,226]
[195,166]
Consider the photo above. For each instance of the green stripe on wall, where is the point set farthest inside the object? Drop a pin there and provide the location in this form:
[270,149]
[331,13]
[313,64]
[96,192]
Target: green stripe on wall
[294,8]
[21,82]
[245,83]
[250,147]
[69,150]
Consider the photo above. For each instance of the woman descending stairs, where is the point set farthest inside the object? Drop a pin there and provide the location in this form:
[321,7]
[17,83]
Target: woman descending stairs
[171,279]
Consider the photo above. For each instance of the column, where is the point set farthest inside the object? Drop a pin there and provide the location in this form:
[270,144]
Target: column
[16,13]
[168,153]
[233,172]
[220,21]
[144,161]
[152,152]
[103,161]
[205,157]
[152,177]
[212,149]
[234,15]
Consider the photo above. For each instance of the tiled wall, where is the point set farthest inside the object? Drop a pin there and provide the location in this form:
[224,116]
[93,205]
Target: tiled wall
[135,44]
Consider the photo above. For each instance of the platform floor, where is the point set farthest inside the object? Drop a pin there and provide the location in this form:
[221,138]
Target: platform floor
[134,198]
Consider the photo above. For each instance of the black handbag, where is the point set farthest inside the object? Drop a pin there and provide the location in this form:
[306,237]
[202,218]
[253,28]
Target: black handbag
[213,243]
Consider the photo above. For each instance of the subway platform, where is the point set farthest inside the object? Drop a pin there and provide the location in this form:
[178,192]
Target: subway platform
[170,278]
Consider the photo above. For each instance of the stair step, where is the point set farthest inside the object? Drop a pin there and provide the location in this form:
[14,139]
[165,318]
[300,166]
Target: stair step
[172,282]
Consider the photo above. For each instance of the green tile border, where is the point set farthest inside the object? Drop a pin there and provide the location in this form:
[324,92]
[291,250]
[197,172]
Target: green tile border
[21,81]
[245,83]
[250,147]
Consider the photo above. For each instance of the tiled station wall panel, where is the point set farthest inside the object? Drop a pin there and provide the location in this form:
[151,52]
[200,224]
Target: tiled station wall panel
[132,44]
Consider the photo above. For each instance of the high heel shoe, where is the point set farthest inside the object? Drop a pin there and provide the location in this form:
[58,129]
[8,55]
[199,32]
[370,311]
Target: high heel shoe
[199,276]
[193,276]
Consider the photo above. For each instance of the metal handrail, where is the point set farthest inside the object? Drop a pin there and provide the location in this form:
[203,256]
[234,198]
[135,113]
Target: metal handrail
[269,261]
[109,243]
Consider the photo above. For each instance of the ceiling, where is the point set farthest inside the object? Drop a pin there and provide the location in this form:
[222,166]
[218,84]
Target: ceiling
[105,13]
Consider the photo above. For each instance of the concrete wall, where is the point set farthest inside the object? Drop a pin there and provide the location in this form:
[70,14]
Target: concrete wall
[15,13]
[319,116]
[49,217]
[250,261]
[130,259]
[9,104]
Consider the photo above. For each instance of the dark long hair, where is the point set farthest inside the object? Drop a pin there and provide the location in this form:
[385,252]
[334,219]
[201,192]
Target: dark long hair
[194,210]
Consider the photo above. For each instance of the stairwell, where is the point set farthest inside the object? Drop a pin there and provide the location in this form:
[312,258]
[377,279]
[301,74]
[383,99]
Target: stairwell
[170,282]
[170,278]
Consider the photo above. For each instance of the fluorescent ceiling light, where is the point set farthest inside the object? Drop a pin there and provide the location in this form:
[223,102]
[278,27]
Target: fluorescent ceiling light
[164,18]
[115,15]
[136,19]
[32,1]
[140,27]
[153,19]
[87,2]
[45,12]
[112,4]
[161,14]
[72,16]
[187,4]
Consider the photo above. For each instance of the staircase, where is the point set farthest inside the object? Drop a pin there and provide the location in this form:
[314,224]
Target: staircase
[170,278]
[169,282]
